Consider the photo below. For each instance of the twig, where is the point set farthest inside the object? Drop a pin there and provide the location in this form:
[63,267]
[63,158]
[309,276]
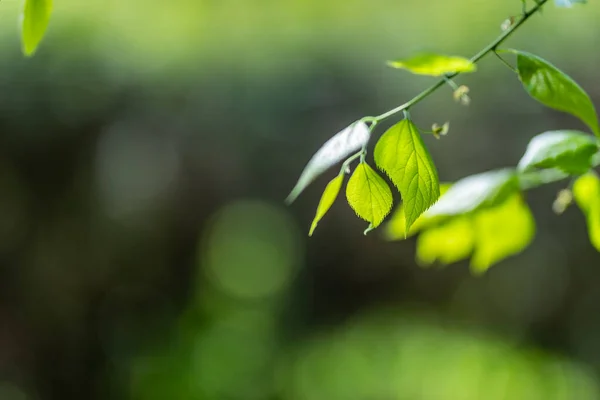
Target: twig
[486,50]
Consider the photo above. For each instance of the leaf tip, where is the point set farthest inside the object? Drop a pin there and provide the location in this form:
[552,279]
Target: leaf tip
[393,64]
[478,270]
[292,196]
[28,52]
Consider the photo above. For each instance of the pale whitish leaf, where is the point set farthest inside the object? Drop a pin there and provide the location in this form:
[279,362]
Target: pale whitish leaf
[333,151]
[570,151]
[500,232]
[35,19]
[329,195]
[475,192]
[447,243]
[395,228]
[434,64]
[402,155]
[553,88]
[586,191]
[568,3]
[369,195]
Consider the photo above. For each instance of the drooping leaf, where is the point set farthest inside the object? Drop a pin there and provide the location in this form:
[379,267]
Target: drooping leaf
[35,19]
[586,191]
[447,243]
[333,151]
[434,64]
[369,195]
[475,192]
[570,151]
[555,89]
[402,155]
[395,228]
[329,195]
[568,3]
[501,231]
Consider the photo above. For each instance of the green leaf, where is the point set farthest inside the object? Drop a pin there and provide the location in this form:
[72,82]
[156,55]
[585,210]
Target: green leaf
[568,3]
[36,16]
[586,191]
[555,89]
[501,232]
[447,243]
[395,228]
[475,192]
[570,151]
[369,195]
[329,195]
[434,64]
[402,155]
[333,151]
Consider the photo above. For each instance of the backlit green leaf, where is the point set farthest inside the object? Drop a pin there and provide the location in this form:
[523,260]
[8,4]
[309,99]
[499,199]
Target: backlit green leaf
[434,64]
[570,151]
[586,191]
[448,243]
[395,228]
[402,155]
[333,151]
[35,19]
[329,195]
[553,88]
[475,192]
[369,195]
[500,232]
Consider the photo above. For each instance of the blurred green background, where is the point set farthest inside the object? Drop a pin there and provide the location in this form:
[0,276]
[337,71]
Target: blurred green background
[145,251]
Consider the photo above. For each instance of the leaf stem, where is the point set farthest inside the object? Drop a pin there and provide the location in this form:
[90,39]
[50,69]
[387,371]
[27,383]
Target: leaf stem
[349,160]
[513,69]
[451,83]
[482,53]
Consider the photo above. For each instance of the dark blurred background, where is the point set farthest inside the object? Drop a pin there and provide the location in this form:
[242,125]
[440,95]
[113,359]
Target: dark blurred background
[145,250]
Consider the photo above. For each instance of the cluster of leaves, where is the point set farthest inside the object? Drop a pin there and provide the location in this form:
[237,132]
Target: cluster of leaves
[484,216]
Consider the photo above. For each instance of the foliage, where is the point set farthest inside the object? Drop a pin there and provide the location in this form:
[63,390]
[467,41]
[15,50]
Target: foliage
[36,16]
[329,195]
[551,87]
[435,64]
[403,156]
[369,195]
[483,216]
[486,203]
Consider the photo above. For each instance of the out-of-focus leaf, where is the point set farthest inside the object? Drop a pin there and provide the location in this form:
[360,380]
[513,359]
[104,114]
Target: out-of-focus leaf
[434,64]
[329,195]
[568,3]
[333,151]
[447,243]
[402,155]
[475,192]
[586,191]
[500,232]
[35,19]
[570,151]
[369,195]
[553,88]
[395,228]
